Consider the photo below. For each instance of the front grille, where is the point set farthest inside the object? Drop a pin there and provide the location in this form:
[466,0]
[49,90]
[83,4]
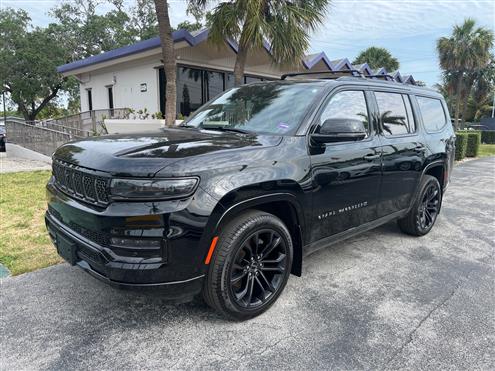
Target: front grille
[80,183]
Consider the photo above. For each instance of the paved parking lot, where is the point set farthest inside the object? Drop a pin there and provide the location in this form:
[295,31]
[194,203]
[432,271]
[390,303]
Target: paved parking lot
[382,300]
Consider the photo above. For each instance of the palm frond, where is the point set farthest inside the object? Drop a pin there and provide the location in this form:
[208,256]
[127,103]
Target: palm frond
[225,22]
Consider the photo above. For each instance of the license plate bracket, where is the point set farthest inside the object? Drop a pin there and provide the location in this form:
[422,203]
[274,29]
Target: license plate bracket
[66,249]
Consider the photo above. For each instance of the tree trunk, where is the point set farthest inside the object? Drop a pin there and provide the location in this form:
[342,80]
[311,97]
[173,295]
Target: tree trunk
[458,98]
[465,105]
[240,64]
[30,115]
[241,58]
[168,56]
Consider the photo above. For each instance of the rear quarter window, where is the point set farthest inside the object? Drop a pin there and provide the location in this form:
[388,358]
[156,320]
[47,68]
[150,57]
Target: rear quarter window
[432,112]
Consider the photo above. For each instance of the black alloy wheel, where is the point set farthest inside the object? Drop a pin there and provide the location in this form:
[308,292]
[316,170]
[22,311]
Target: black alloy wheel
[258,269]
[429,207]
[425,209]
[250,265]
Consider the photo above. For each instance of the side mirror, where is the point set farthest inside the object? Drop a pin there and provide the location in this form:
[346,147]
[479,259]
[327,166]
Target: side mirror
[340,130]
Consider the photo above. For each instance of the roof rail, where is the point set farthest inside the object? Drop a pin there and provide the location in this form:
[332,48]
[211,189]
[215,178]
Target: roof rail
[292,74]
[353,73]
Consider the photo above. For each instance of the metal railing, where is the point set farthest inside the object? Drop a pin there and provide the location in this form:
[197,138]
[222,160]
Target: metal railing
[90,122]
[64,129]
[46,136]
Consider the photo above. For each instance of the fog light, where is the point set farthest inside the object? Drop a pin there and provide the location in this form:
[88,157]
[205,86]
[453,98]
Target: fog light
[131,243]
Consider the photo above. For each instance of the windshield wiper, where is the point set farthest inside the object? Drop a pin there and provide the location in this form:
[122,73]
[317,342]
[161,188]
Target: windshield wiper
[226,128]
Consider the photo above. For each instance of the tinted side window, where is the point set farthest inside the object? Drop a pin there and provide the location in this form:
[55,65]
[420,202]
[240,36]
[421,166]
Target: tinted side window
[432,113]
[347,105]
[393,113]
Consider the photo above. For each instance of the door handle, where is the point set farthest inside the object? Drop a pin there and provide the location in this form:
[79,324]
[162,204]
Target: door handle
[371,157]
[420,148]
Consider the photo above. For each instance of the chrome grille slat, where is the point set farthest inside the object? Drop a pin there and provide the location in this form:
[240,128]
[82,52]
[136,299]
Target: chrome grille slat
[80,183]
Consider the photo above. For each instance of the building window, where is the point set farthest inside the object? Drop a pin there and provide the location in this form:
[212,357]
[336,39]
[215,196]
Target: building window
[189,90]
[229,80]
[250,79]
[110,97]
[90,100]
[162,80]
[214,84]
[195,87]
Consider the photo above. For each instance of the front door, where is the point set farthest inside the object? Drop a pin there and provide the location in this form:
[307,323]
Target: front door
[345,175]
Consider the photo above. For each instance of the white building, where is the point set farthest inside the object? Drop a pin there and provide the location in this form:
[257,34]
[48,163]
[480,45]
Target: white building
[133,77]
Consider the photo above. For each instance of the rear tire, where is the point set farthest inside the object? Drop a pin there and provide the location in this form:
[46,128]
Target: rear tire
[424,212]
[250,265]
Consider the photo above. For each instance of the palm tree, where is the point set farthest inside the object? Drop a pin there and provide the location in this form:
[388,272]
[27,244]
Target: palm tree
[285,24]
[466,51]
[377,58]
[168,56]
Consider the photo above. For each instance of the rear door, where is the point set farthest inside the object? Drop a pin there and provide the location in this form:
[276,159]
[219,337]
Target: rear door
[345,176]
[403,151]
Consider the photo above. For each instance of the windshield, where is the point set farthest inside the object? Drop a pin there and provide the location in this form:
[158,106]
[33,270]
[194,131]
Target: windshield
[276,108]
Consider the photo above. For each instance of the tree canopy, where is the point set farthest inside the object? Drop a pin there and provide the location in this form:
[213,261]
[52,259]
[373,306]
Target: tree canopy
[285,25]
[30,55]
[467,63]
[377,57]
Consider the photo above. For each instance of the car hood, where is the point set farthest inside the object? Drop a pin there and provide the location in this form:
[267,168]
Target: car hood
[145,154]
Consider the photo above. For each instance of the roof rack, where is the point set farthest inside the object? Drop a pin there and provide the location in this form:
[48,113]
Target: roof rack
[292,74]
[333,74]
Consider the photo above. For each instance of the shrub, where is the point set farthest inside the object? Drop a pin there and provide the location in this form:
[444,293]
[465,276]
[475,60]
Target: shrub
[460,145]
[473,144]
[488,137]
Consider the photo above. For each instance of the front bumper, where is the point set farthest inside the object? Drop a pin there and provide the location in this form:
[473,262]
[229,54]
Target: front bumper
[85,236]
[92,258]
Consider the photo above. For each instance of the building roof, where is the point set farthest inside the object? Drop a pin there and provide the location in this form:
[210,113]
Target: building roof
[141,46]
[363,68]
[197,37]
[397,76]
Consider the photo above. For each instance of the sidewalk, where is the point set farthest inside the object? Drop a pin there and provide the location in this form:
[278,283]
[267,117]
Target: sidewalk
[14,164]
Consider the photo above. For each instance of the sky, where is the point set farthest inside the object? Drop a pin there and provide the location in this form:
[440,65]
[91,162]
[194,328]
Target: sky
[408,28]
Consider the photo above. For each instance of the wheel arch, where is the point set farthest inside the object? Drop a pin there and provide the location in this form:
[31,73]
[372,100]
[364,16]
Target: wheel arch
[436,169]
[284,205]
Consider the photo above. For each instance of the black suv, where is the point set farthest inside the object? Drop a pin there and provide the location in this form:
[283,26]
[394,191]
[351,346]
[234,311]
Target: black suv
[229,203]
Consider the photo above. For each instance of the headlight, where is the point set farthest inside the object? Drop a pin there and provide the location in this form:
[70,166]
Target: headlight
[152,189]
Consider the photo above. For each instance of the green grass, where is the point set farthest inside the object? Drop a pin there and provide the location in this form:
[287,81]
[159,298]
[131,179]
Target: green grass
[24,243]
[486,150]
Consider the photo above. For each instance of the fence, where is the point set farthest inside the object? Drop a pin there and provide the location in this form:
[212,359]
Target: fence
[84,123]
[36,138]
[46,136]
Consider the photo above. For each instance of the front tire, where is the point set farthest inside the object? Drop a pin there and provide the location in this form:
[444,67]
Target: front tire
[423,214]
[250,265]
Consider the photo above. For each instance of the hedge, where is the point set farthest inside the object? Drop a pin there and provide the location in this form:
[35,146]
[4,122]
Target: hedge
[460,145]
[488,137]
[473,144]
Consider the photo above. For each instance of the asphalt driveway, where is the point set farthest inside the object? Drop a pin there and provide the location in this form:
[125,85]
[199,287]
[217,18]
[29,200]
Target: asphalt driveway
[382,300]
